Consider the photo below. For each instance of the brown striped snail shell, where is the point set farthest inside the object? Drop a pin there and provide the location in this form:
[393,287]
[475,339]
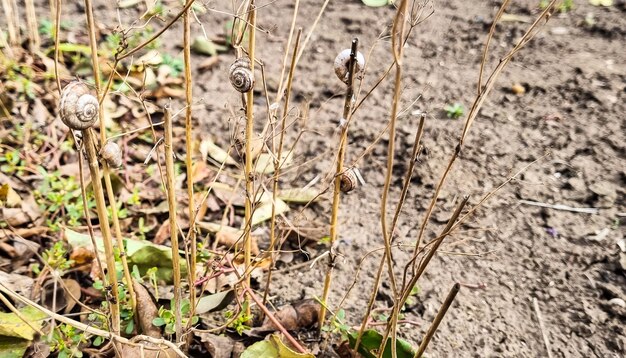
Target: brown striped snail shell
[349,180]
[112,154]
[343,60]
[241,75]
[78,107]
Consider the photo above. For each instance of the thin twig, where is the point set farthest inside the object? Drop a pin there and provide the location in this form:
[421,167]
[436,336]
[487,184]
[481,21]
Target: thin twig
[433,327]
[544,334]
[560,207]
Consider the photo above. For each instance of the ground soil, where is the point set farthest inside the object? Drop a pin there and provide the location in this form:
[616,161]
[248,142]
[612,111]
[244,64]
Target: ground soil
[509,253]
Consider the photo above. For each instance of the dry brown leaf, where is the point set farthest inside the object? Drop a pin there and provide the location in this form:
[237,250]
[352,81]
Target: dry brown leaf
[150,350]
[146,311]
[229,237]
[217,346]
[74,289]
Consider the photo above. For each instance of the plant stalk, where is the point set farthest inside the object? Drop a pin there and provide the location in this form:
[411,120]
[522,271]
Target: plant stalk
[89,139]
[334,218]
[248,150]
[105,168]
[189,159]
[171,201]
[435,324]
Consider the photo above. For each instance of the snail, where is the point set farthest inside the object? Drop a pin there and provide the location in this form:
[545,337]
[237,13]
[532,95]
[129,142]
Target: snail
[349,180]
[112,154]
[241,76]
[78,107]
[343,60]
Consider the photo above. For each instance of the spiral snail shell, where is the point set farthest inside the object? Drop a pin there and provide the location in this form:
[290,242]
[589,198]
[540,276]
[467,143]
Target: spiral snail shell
[343,60]
[78,107]
[112,154]
[241,75]
[349,180]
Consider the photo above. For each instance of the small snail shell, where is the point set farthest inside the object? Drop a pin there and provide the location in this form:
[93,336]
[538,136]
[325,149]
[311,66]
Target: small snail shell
[112,154]
[78,108]
[241,76]
[349,180]
[343,60]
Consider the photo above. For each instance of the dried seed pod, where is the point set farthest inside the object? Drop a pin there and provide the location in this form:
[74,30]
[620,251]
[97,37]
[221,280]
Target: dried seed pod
[349,180]
[343,60]
[112,154]
[241,75]
[78,107]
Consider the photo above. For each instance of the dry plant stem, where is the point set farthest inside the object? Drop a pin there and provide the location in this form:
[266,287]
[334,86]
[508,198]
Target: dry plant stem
[334,216]
[171,201]
[492,30]
[397,35]
[278,164]
[91,330]
[31,22]
[105,168]
[94,169]
[57,39]
[189,159]
[544,335]
[158,33]
[433,327]
[381,265]
[391,328]
[248,165]
[279,93]
[276,323]
[12,25]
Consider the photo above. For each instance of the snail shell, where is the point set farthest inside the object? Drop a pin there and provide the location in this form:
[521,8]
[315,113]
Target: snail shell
[343,60]
[241,76]
[349,180]
[78,107]
[112,154]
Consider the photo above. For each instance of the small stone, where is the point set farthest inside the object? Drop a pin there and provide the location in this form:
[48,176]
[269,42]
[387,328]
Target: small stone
[618,302]
[559,30]
[518,89]
[606,193]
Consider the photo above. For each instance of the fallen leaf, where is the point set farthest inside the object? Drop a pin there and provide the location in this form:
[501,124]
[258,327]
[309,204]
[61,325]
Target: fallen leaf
[215,302]
[144,254]
[265,162]
[209,149]
[273,348]
[18,283]
[299,195]
[146,311]
[135,351]
[8,197]
[13,347]
[13,326]
[263,212]
[218,346]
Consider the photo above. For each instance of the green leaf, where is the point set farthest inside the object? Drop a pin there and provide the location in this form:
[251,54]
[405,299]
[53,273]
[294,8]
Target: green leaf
[13,326]
[272,348]
[98,341]
[371,340]
[377,3]
[158,321]
[144,254]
